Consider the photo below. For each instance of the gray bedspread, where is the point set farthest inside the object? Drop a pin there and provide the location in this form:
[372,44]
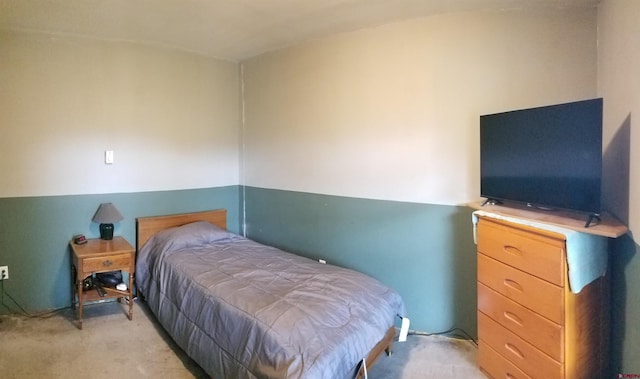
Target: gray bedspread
[245,310]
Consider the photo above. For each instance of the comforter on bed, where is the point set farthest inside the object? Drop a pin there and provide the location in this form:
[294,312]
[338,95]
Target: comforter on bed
[245,310]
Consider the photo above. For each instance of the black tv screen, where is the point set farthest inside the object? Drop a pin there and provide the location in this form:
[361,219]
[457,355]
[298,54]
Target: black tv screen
[548,157]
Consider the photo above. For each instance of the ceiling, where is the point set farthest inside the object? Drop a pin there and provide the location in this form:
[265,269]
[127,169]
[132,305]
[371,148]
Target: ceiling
[231,29]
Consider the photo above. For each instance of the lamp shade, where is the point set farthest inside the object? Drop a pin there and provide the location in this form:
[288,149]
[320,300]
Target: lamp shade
[107,214]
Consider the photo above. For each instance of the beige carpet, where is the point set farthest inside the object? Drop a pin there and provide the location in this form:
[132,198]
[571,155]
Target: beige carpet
[429,357]
[111,346]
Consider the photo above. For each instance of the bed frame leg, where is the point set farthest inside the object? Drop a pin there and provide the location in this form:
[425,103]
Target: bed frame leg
[384,345]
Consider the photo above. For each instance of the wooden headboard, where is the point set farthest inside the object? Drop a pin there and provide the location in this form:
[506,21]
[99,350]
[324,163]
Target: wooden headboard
[148,226]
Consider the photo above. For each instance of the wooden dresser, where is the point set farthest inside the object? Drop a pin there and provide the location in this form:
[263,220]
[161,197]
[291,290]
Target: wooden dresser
[530,324]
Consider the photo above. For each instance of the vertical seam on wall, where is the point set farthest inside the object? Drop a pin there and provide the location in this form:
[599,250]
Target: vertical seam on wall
[242,153]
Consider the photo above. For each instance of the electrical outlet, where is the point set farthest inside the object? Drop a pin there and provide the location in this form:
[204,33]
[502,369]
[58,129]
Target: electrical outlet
[4,272]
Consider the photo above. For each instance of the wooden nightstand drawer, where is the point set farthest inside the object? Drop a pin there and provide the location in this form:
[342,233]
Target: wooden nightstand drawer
[525,356]
[107,263]
[537,330]
[494,365]
[536,254]
[536,294]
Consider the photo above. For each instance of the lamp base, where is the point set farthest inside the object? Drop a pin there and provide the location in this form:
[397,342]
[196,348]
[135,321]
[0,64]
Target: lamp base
[106,231]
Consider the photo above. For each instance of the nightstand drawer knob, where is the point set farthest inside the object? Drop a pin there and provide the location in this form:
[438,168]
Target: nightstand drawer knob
[107,263]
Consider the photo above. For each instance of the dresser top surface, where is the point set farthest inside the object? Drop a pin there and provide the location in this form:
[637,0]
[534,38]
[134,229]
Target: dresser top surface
[608,226]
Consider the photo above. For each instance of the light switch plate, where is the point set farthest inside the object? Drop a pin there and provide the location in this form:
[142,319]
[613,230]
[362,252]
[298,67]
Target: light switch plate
[108,157]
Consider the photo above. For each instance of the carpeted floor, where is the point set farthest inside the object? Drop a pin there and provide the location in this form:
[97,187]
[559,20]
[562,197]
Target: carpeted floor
[429,357]
[110,346]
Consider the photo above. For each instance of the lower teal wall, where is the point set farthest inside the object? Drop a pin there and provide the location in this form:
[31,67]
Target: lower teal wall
[35,232]
[426,252]
[625,307]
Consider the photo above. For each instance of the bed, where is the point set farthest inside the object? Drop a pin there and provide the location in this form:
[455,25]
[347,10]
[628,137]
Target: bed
[241,309]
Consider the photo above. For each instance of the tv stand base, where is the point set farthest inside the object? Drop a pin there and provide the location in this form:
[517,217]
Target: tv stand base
[591,218]
[491,202]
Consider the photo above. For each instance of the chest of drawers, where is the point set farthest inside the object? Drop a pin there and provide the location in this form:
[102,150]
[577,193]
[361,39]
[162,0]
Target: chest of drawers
[530,325]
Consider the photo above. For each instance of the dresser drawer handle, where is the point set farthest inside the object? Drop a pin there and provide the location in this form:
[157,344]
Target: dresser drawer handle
[512,250]
[509,376]
[513,284]
[107,263]
[514,350]
[513,318]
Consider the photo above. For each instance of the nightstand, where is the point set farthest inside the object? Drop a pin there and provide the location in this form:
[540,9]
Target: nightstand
[95,256]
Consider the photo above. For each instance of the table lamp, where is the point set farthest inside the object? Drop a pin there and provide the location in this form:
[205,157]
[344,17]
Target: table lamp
[106,215]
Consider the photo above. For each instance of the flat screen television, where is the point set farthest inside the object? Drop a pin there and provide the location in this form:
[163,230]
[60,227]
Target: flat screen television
[548,157]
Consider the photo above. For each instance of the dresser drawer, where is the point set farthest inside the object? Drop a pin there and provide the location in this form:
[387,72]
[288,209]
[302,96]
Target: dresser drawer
[536,294]
[544,334]
[107,263]
[495,366]
[530,360]
[536,254]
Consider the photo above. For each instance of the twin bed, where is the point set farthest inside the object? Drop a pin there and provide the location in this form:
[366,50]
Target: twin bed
[245,310]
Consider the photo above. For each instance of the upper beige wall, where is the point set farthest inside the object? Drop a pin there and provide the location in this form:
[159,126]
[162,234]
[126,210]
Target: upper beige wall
[393,112]
[619,85]
[171,117]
